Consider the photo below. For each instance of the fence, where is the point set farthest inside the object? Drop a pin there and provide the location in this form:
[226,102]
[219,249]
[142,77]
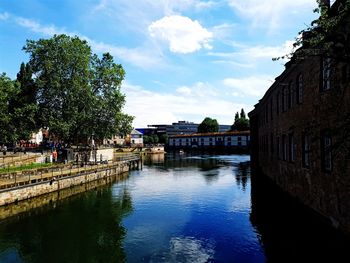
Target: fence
[54,172]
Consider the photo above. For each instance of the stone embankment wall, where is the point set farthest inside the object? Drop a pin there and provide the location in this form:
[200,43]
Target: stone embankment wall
[20,193]
[34,205]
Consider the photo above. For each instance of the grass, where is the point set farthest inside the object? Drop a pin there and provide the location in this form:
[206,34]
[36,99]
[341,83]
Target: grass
[24,167]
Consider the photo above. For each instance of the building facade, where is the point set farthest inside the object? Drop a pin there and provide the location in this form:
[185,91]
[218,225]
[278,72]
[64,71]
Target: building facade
[301,134]
[215,140]
[181,127]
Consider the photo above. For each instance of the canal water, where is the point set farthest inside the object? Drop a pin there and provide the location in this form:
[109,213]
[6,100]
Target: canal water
[181,208]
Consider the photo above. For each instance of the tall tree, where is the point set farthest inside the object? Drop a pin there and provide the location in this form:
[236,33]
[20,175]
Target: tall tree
[242,114]
[208,125]
[24,107]
[241,122]
[78,94]
[106,81]
[8,91]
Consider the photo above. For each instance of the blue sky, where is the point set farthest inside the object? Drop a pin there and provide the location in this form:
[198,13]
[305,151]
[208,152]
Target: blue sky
[184,59]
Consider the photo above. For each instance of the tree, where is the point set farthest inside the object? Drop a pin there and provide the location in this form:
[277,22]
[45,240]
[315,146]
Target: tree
[325,35]
[242,116]
[163,138]
[241,122]
[24,107]
[78,93]
[236,116]
[208,125]
[108,100]
[8,91]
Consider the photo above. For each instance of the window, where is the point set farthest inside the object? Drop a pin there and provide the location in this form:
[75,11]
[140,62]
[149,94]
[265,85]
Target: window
[271,143]
[271,107]
[278,148]
[326,151]
[284,99]
[306,150]
[326,74]
[292,148]
[290,95]
[278,103]
[300,88]
[284,147]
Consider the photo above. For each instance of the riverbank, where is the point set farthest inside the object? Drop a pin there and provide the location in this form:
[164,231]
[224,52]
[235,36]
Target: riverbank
[40,183]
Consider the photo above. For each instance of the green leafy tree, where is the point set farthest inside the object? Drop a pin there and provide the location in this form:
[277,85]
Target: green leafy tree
[24,107]
[241,122]
[163,138]
[108,100]
[78,93]
[208,125]
[155,138]
[325,35]
[8,91]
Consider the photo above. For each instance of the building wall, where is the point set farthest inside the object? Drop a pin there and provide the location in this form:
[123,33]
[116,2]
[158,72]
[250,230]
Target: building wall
[278,137]
[226,140]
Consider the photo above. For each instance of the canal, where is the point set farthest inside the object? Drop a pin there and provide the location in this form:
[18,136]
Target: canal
[179,208]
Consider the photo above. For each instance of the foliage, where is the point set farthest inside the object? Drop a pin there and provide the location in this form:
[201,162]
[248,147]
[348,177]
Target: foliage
[78,93]
[241,122]
[208,125]
[325,35]
[8,91]
[23,106]
[163,138]
[149,139]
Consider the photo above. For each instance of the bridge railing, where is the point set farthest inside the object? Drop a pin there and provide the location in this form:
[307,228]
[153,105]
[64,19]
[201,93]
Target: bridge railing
[128,157]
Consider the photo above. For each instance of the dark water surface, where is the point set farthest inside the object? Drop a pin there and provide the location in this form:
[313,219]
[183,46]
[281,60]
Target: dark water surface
[178,209]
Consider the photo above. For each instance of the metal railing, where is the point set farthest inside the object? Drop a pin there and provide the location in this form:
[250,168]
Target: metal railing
[52,173]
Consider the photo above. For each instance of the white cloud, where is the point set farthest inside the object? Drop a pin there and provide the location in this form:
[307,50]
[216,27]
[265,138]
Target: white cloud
[250,86]
[136,56]
[269,52]
[184,91]
[38,28]
[191,103]
[4,16]
[248,56]
[182,34]
[271,13]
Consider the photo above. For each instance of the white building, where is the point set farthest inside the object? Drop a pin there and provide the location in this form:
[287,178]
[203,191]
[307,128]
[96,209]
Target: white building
[136,138]
[234,139]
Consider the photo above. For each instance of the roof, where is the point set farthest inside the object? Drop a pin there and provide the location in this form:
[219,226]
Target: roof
[211,134]
[136,132]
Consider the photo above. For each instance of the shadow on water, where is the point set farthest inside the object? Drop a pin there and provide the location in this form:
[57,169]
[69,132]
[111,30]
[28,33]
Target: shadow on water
[290,232]
[242,172]
[76,229]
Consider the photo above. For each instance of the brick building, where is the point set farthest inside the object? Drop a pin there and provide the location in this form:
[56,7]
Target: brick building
[300,132]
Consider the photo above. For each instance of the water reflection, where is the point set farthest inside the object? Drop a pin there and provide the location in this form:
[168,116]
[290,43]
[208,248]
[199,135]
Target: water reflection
[184,208]
[242,172]
[87,228]
[291,233]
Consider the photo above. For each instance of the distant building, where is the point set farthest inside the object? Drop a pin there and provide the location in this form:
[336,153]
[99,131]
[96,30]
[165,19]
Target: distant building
[301,132]
[180,127]
[134,139]
[214,140]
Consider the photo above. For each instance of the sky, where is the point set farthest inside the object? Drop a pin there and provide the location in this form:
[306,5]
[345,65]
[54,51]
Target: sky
[184,59]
